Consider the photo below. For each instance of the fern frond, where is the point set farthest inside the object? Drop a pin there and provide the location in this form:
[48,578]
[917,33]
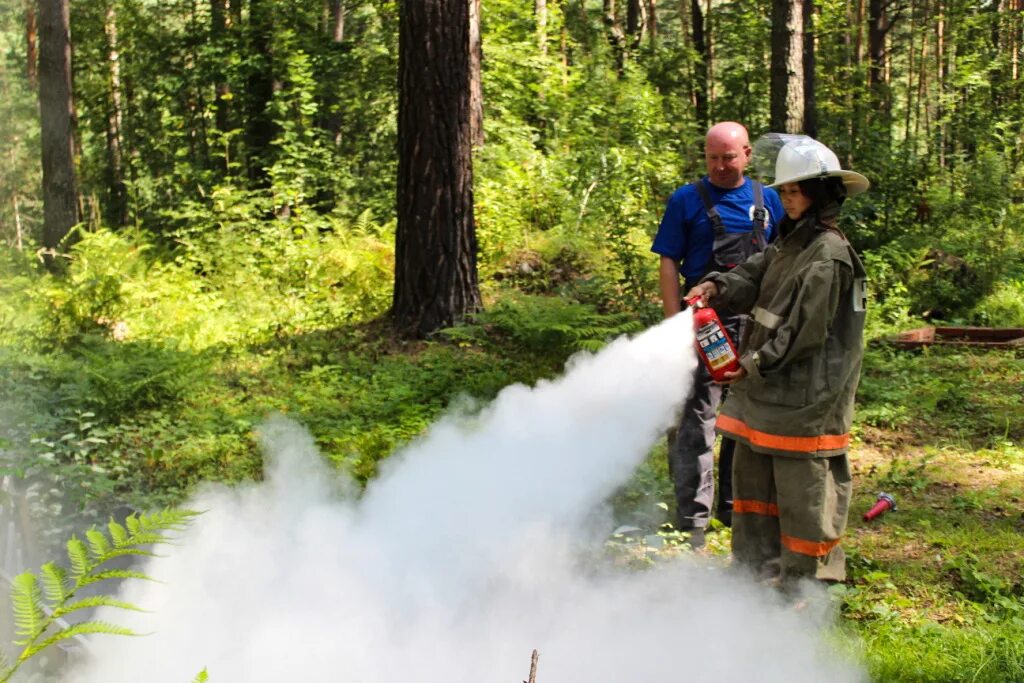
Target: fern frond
[118,534]
[201,677]
[146,538]
[31,615]
[90,579]
[84,628]
[27,601]
[55,582]
[78,556]
[94,601]
[98,544]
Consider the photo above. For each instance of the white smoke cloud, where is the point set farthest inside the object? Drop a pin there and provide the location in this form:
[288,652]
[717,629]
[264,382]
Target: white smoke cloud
[459,560]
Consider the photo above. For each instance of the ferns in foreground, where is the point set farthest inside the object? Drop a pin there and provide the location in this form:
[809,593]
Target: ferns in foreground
[42,603]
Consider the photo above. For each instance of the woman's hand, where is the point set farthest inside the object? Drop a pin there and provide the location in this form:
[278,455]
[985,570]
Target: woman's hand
[704,290]
[734,376]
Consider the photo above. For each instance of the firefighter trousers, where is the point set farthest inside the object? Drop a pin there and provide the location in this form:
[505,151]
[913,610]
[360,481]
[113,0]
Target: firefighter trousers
[789,514]
[691,458]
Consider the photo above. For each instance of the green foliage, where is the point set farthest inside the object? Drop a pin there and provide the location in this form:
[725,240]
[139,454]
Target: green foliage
[980,586]
[941,391]
[546,325]
[42,603]
[1004,307]
[119,379]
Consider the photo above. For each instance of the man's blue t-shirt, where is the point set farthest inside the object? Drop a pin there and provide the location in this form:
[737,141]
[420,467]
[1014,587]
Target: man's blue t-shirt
[685,233]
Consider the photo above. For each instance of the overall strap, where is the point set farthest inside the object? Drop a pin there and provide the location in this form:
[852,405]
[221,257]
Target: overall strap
[709,209]
[760,215]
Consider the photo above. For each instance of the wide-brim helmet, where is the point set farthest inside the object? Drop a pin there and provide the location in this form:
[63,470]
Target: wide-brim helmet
[792,158]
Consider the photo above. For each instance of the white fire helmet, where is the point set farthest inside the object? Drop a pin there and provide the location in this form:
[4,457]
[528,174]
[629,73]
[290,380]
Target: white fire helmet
[791,158]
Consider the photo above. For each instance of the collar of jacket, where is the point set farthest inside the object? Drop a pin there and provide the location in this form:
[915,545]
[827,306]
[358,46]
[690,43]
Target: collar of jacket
[810,225]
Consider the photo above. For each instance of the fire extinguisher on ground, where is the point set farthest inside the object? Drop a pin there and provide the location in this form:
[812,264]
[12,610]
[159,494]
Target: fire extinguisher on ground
[714,346]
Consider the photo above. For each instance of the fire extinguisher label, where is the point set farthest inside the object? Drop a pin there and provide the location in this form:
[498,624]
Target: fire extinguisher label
[715,346]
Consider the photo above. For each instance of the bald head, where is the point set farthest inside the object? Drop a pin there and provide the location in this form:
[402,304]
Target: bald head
[727,153]
[728,132]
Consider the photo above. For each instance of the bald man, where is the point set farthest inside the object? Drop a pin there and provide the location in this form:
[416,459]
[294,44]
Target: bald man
[712,224]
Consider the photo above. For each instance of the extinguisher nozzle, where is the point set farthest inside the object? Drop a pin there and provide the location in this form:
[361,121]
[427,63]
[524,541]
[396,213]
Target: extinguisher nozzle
[884,503]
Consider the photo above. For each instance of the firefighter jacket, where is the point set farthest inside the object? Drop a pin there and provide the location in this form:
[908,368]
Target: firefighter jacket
[803,347]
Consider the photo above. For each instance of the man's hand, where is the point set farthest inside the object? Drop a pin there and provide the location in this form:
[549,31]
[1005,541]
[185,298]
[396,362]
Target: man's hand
[734,376]
[705,290]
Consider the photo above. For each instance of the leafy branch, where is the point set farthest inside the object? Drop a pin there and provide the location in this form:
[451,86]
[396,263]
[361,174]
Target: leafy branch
[42,603]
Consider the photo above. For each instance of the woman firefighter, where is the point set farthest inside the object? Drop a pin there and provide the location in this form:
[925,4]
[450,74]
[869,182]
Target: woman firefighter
[790,406]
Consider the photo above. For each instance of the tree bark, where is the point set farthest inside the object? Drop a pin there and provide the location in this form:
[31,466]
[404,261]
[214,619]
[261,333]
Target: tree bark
[635,21]
[540,15]
[616,36]
[31,58]
[652,21]
[57,124]
[940,81]
[810,113]
[709,58]
[787,68]
[337,18]
[117,202]
[878,26]
[260,128]
[222,90]
[476,92]
[701,73]
[435,255]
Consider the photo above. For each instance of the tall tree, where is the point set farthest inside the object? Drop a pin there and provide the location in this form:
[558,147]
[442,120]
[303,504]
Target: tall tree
[116,209]
[476,91]
[260,86]
[616,36]
[787,70]
[57,123]
[337,13]
[31,59]
[435,243]
[809,67]
[702,69]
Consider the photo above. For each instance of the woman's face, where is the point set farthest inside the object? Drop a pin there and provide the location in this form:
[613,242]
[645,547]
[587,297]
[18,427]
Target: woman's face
[794,201]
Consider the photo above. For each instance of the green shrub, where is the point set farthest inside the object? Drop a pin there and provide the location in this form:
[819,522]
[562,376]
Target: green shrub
[117,379]
[547,325]
[1004,307]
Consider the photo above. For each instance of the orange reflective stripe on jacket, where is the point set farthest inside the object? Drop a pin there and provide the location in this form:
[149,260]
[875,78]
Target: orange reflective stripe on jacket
[755,507]
[812,548]
[798,444]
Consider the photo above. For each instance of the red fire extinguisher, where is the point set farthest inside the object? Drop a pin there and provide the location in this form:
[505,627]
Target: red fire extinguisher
[713,343]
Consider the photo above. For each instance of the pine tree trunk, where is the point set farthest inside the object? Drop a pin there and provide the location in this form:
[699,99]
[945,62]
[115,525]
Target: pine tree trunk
[337,19]
[57,124]
[540,15]
[810,113]
[476,92]
[435,254]
[787,69]
[31,58]
[117,201]
[709,57]
[940,81]
[701,70]
[259,126]
[652,21]
[616,36]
